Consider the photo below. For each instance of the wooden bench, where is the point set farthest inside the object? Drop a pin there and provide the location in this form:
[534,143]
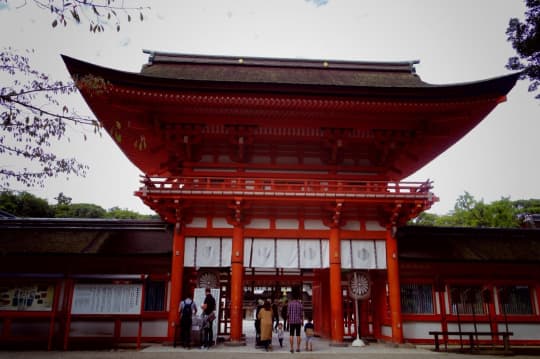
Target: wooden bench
[471,335]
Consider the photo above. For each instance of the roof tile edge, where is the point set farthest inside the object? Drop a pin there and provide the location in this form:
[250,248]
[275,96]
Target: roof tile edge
[169,57]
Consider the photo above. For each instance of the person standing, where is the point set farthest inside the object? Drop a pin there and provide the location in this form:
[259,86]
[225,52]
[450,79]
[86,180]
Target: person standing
[208,307]
[275,313]
[295,314]
[284,309]
[280,334]
[266,318]
[187,309]
[309,331]
[260,304]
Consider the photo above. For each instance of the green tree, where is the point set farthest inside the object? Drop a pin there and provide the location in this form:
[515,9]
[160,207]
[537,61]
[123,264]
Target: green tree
[530,206]
[33,110]
[80,210]
[62,199]
[525,39]
[119,213]
[24,204]
[468,212]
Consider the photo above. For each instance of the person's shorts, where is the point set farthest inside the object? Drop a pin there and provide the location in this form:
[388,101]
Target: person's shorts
[294,329]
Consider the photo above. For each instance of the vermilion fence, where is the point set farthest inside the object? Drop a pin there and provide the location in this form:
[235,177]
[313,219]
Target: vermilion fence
[283,187]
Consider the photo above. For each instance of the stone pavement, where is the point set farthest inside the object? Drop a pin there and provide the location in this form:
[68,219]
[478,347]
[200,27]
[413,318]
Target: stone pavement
[321,349]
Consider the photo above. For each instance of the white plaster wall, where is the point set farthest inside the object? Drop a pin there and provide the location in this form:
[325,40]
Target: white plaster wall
[261,159]
[374,226]
[224,159]
[312,161]
[197,222]
[220,223]
[20,328]
[351,226]
[154,328]
[287,224]
[469,327]
[259,223]
[419,330]
[207,158]
[314,224]
[386,330]
[283,160]
[129,329]
[90,328]
[524,331]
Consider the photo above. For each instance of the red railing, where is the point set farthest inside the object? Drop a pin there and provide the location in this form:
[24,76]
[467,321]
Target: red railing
[284,187]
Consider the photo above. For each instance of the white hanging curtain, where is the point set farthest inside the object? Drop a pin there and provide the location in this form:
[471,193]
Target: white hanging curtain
[284,253]
[263,254]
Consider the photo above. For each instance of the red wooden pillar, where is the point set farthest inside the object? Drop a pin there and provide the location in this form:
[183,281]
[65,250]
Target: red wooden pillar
[394,290]
[336,296]
[177,273]
[237,282]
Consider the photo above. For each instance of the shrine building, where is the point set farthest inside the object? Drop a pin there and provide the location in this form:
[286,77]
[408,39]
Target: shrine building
[272,175]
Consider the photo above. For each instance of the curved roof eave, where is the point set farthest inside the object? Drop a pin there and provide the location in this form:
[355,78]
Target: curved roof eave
[494,87]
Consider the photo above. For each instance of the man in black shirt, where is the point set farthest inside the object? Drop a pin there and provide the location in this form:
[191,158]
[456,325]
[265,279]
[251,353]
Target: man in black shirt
[208,307]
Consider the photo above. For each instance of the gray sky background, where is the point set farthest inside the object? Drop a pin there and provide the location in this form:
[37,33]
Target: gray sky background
[455,41]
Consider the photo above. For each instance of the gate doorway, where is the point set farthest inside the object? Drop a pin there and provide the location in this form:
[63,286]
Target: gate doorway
[277,285]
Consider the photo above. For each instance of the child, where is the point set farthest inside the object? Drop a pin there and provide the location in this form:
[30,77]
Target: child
[280,334]
[308,329]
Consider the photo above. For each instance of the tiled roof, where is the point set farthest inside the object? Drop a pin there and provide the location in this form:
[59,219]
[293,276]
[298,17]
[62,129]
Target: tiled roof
[83,236]
[282,71]
[468,244]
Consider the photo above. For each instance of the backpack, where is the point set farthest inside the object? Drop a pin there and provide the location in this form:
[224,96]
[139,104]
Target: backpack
[187,311]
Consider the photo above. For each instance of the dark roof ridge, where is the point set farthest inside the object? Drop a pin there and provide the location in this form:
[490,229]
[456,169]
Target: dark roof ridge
[171,57]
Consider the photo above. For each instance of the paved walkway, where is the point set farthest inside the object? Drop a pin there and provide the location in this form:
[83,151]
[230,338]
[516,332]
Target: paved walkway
[321,349]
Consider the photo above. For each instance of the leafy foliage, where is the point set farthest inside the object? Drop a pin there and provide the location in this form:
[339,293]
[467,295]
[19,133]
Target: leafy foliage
[119,213]
[468,212]
[33,110]
[525,39]
[31,118]
[24,204]
[98,12]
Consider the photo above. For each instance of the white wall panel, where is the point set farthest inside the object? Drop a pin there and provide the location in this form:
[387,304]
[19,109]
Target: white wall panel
[419,330]
[314,224]
[374,226]
[259,223]
[197,222]
[524,331]
[220,223]
[287,224]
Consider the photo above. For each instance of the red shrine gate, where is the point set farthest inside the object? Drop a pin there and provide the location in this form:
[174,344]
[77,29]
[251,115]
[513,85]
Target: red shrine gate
[277,165]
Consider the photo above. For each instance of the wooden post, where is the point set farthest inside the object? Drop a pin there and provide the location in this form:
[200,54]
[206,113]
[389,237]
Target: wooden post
[394,290]
[237,282]
[177,273]
[336,297]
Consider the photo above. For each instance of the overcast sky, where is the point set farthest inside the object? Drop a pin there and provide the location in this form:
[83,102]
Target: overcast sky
[455,41]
